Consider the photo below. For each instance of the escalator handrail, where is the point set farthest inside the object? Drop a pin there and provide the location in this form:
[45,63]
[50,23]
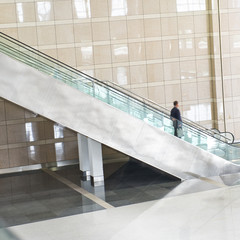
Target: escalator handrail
[108,84]
[233,138]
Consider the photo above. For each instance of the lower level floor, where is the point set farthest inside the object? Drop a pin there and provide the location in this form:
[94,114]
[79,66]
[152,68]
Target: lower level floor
[46,194]
[207,214]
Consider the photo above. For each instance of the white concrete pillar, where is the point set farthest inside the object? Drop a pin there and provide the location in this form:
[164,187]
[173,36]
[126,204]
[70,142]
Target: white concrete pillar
[96,162]
[83,154]
[90,160]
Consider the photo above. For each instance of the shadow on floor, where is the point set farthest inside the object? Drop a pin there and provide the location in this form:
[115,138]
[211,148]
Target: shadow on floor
[35,196]
[129,182]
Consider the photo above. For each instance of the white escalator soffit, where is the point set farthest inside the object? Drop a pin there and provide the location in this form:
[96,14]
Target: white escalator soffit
[82,113]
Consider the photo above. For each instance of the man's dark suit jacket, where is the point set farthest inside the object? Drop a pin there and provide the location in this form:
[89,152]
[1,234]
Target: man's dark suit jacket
[175,113]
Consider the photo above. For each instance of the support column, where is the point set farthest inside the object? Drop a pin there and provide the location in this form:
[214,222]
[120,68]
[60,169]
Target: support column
[96,162]
[90,160]
[83,154]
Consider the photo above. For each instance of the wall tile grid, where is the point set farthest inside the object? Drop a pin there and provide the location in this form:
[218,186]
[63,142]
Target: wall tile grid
[160,49]
[226,56]
[26,138]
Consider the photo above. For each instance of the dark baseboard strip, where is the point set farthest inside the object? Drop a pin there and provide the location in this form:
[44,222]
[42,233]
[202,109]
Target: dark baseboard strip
[38,166]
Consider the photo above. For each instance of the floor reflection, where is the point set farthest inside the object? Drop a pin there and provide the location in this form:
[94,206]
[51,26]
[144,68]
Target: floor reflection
[35,196]
[126,182]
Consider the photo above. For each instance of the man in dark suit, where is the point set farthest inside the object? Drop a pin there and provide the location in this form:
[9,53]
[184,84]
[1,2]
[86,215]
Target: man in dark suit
[176,117]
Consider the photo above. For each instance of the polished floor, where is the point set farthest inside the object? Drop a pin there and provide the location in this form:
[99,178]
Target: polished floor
[37,196]
[126,182]
[207,215]
[145,204]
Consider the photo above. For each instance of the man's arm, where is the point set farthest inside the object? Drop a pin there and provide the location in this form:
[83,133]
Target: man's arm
[178,115]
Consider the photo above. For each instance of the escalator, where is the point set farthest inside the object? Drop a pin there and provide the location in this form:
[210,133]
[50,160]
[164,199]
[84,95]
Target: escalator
[110,114]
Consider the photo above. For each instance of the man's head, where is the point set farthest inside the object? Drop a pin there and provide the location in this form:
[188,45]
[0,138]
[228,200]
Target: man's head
[175,103]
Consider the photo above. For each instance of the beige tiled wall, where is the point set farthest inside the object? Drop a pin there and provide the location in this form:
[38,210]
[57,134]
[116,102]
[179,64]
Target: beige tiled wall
[226,56]
[160,49]
[27,139]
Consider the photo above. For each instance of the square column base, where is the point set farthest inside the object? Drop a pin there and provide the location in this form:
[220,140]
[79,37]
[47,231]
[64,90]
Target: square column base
[85,175]
[97,181]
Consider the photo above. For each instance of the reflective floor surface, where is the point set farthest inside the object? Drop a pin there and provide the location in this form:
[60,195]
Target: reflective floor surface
[126,182]
[213,214]
[146,204]
[36,196]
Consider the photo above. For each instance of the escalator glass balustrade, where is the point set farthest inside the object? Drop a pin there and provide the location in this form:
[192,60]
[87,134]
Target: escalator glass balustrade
[117,97]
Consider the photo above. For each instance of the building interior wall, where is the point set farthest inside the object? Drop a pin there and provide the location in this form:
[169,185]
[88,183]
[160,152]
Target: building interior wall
[28,139]
[160,49]
[225,17]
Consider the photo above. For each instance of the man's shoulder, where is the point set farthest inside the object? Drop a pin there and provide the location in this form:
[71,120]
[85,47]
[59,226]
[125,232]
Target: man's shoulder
[174,109]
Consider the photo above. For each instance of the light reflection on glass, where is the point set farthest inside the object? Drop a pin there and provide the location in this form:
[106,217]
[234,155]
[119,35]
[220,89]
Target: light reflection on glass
[89,72]
[32,152]
[29,131]
[59,149]
[20,12]
[86,54]
[236,43]
[205,112]
[236,4]
[188,74]
[202,44]
[191,5]
[189,43]
[170,47]
[43,10]
[180,45]
[58,131]
[191,113]
[120,50]
[203,69]
[186,44]
[122,75]
[188,31]
[220,111]
[199,112]
[82,8]
[119,8]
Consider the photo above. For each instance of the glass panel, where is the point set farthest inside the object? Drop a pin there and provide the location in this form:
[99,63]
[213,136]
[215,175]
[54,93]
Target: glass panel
[119,98]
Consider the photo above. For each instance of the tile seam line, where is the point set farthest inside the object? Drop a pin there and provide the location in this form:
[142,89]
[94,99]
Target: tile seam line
[78,189]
